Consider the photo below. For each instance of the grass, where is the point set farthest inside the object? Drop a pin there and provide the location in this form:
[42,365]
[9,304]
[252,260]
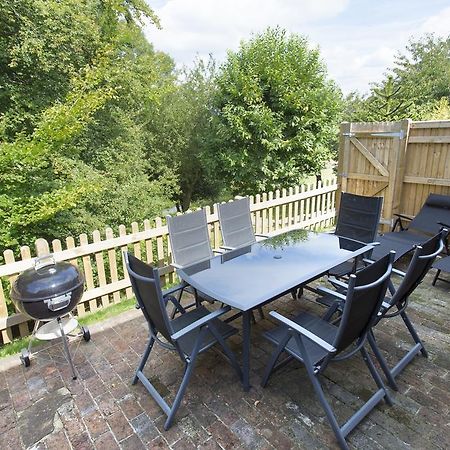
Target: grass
[16,345]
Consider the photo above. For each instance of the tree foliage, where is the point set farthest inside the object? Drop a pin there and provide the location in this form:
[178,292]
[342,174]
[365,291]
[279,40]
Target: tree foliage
[79,83]
[417,86]
[276,113]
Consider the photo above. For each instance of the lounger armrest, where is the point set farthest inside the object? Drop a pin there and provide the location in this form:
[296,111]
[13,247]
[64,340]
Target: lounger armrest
[200,322]
[176,266]
[445,225]
[399,221]
[174,289]
[327,291]
[303,331]
[403,216]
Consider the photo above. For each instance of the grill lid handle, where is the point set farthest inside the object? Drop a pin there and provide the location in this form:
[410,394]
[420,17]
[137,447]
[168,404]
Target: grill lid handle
[44,261]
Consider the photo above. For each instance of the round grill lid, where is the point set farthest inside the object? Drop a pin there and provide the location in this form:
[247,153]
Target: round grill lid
[47,279]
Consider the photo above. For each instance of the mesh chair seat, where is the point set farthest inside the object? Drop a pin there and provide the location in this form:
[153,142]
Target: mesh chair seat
[319,327]
[188,341]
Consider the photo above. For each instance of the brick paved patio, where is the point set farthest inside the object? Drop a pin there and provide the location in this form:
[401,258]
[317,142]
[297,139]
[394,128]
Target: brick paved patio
[41,407]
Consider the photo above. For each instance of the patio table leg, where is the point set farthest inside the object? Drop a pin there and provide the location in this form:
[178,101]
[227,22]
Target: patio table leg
[246,322]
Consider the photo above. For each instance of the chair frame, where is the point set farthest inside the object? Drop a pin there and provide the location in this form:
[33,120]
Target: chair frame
[205,324]
[399,304]
[300,333]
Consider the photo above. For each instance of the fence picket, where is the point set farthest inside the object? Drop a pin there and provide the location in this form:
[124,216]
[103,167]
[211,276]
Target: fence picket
[306,205]
[99,262]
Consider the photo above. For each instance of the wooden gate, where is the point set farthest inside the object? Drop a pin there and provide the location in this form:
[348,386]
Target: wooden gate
[371,162]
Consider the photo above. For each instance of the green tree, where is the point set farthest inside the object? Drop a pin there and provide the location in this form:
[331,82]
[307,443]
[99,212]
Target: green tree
[275,114]
[182,131]
[79,84]
[417,86]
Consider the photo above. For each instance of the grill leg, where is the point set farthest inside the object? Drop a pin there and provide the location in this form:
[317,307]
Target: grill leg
[66,348]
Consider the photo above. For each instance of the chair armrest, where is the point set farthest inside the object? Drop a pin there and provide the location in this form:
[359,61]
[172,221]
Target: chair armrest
[325,290]
[303,331]
[226,247]
[173,289]
[396,271]
[335,282]
[200,322]
[219,250]
[176,266]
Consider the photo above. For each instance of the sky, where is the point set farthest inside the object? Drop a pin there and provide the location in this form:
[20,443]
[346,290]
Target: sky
[358,39]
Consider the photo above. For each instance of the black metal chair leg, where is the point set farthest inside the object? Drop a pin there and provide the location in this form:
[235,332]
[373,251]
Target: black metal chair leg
[229,354]
[144,359]
[376,376]
[273,359]
[321,396]
[383,363]
[436,277]
[414,334]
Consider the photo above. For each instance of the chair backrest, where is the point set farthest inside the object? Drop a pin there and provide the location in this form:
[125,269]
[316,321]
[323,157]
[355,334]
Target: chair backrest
[189,238]
[366,291]
[145,283]
[358,217]
[435,209]
[236,223]
[421,262]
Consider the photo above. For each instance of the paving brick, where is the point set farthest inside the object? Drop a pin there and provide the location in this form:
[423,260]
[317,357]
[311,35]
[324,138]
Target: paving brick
[120,426]
[106,442]
[105,408]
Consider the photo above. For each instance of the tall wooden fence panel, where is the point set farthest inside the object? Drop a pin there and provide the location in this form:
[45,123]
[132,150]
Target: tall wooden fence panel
[401,161]
[99,255]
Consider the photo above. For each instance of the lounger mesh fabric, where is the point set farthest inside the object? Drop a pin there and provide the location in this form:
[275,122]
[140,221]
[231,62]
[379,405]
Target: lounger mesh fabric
[425,224]
[189,238]
[236,224]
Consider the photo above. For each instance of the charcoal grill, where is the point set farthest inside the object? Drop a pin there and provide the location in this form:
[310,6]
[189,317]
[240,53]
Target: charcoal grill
[48,292]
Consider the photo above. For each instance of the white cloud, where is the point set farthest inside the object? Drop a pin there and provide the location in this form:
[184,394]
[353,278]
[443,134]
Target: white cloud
[357,51]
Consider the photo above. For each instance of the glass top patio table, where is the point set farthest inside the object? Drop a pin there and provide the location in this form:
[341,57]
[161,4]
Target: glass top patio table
[250,276]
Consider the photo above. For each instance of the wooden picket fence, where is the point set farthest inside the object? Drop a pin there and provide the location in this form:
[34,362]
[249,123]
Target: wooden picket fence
[100,257]
[401,161]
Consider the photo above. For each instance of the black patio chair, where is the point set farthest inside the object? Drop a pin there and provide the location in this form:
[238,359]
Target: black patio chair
[189,334]
[236,224]
[434,214]
[358,219]
[316,343]
[396,304]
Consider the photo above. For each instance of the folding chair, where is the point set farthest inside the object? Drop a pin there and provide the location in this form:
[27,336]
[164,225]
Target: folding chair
[358,219]
[434,214]
[190,244]
[189,334]
[315,342]
[236,227]
[396,304]
[421,262]
[236,224]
